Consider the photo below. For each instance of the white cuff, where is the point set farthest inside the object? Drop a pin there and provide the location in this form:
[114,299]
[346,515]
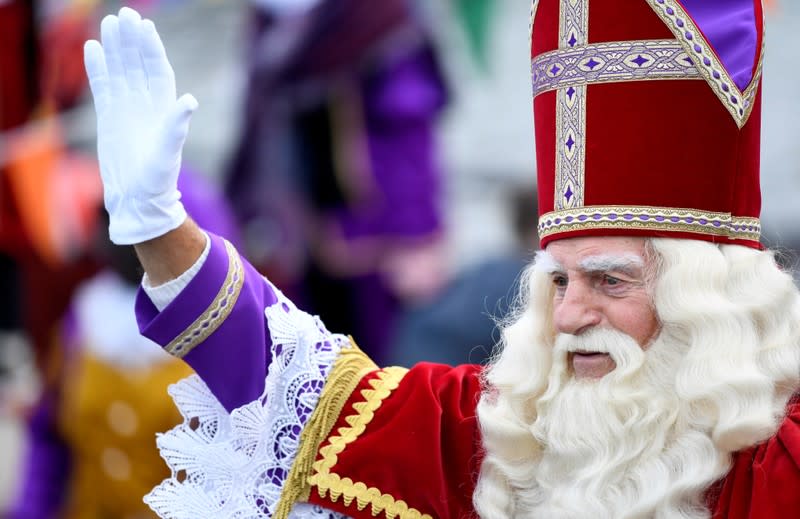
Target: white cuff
[163,295]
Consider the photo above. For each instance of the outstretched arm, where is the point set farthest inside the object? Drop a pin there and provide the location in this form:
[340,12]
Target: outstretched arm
[141,129]
[263,363]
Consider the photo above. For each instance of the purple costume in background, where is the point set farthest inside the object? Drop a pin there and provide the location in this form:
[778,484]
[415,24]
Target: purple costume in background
[47,468]
[336,165]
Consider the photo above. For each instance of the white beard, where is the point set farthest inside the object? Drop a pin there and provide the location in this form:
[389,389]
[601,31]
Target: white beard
[621,446]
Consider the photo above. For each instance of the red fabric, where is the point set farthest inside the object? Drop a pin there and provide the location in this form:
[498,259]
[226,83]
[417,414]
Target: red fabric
[545,37]
[422,446]
[747,193]
[610,21]
[665,143]
[544,122]
[18,68]
[688,162]
[765,480]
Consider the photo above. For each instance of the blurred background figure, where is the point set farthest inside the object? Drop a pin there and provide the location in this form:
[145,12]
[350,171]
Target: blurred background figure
[336,179]
[91,452]
[460,324]
[373,158]
[40,236]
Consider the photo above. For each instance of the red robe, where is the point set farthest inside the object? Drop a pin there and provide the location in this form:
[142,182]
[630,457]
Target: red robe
[407,444]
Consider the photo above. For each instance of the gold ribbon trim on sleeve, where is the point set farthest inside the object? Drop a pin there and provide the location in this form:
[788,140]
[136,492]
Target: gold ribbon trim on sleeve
[217,311]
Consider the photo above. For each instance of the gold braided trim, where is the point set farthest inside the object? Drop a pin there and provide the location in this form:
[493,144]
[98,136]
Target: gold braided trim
[217,311]
[650,218]
[328,482]
[350,367]
[380,503]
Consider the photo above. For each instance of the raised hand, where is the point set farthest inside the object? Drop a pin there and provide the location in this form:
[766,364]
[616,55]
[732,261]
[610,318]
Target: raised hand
[141,127]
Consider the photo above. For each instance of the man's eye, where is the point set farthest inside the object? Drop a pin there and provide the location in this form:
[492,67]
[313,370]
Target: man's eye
[612,281]
[560,281]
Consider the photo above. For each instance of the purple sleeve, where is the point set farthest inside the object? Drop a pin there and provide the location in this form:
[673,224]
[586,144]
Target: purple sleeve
[217,325]
[45,470]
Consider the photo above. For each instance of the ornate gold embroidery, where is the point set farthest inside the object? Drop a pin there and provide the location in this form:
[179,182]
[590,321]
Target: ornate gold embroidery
[738,103]
[611,62]
[350,367]
[653,218]
[217,311]
[571,113]
[328,482]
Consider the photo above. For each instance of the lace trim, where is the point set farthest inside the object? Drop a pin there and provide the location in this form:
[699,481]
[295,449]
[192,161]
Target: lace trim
[236,466]
[217,311]
[351,366]
[330,483]
[310,511]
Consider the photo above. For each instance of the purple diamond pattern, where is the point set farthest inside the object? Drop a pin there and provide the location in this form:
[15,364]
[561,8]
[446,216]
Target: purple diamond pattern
[588,218]
[572,40]
[610,61]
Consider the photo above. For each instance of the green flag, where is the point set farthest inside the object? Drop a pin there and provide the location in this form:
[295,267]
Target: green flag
[475,16]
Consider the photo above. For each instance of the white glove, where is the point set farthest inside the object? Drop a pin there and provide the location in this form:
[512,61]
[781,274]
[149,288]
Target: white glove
[141,128]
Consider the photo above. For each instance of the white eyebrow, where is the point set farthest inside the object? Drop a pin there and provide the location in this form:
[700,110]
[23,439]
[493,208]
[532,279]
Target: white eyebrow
[627,263]
[546,263]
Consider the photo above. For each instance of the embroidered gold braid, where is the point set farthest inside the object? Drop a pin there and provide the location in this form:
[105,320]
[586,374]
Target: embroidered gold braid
[328,482]
[651,218]
[350,367]
[217,311]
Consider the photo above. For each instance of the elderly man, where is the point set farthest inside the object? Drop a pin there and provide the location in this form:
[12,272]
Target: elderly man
[652,367]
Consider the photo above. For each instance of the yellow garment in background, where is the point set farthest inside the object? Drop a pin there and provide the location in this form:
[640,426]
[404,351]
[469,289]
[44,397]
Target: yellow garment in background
[109,418]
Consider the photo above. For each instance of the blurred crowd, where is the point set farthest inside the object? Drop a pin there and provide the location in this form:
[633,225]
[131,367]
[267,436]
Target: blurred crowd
[336,185]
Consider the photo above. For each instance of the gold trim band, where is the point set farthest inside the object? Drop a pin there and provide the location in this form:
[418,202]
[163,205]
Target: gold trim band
[650,218]
[330,484]
[611,62]
[570,152]
[217,311]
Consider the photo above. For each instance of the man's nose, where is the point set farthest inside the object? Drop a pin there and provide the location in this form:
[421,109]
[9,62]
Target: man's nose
[578,310]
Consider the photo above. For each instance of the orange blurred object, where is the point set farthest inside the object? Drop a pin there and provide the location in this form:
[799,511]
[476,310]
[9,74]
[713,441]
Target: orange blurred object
[57,193]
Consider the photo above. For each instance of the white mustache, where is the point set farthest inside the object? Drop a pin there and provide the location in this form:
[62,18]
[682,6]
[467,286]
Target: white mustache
[599,340]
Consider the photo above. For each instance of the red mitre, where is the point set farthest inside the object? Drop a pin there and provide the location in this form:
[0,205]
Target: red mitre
[648,118]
